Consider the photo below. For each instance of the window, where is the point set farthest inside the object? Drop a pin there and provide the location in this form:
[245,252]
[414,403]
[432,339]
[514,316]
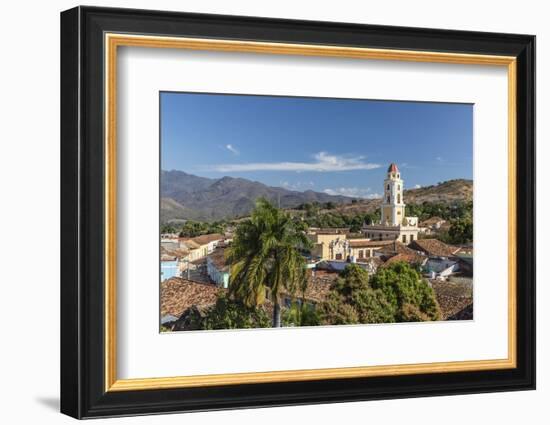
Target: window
[398,198]
[388,199]
[412,238]
[388,188]
[361,253]
[404,238]
[338,256]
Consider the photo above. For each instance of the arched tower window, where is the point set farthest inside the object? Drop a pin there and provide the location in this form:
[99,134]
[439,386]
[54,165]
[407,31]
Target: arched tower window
[398,198]
[388,187]
[388,199]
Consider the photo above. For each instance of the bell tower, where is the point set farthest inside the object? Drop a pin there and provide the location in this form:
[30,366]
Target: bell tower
[393,207]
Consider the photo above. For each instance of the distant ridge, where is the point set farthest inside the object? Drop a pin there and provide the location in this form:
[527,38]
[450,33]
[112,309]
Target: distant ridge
[186,196]
[451,191]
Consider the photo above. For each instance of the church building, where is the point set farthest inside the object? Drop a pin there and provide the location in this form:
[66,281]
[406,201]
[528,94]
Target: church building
[394,225]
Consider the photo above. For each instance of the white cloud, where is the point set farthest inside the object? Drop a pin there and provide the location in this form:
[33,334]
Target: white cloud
[438,158]
[297,185]
[417,186]
[232,149]
[323,162]
[353,192]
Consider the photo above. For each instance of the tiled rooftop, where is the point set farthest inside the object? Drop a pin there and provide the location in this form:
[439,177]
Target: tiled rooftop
[177,295]
[368,243]
[434,247]
[204,239]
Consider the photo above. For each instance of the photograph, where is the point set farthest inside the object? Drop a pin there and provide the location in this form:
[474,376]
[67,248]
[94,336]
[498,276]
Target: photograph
[280,211]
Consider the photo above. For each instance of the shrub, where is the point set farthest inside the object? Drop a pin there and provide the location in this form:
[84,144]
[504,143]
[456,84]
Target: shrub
[228,313]
[394,294]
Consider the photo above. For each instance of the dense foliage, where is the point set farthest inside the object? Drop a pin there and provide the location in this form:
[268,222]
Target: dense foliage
[266,258]
[229,313]
[301,314]
[191,229]
[461,231]
[411,297]
[446,211]
[355,221]
[459,216]
[394,294]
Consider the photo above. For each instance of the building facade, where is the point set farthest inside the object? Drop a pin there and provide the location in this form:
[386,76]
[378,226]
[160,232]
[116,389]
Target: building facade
[394,225]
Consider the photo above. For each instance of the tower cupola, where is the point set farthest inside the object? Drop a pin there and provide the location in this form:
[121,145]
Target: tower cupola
[393,171]
[393,207]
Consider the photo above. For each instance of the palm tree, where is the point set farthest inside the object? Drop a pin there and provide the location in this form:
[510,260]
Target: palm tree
[265,258]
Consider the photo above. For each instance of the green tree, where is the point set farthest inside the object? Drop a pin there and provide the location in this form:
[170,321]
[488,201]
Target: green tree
[461,230]
[301,314]
[394,294]
[411,297]
[229,313]
[266,259]
[192,228]
[352,300]
[168,228]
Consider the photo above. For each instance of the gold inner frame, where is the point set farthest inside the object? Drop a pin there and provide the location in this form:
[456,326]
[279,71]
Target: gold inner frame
[113,41]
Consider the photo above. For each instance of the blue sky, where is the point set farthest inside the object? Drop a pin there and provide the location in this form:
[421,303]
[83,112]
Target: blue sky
[337,146]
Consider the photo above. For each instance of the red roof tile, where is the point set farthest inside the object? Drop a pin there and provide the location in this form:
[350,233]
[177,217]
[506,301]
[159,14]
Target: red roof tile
[369,244]
[434,247]
[204,239]
[177,295]
[393,168]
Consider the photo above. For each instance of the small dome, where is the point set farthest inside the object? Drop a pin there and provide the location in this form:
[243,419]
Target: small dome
[393,168]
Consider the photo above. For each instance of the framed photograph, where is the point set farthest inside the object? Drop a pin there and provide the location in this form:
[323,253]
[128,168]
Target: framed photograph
[261,212]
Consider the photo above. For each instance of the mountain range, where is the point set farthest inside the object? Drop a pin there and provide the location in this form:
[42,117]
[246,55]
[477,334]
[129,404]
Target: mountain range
[188,197]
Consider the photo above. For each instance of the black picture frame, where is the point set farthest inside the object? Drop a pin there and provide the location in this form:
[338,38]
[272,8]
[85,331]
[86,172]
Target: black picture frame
[82,212]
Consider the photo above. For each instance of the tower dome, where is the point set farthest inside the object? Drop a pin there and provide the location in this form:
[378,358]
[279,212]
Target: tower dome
[393,168]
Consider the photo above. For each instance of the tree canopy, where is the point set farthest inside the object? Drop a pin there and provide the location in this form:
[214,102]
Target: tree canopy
[266,259]
[229,313]
[394,294]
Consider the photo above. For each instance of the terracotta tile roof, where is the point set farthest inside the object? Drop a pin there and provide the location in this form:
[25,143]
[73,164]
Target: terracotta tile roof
[393,168]
[376,261]
[177,295]
[368,243]
[454,298]
[396,247]
[434,247]
[407,258]
[204,239]
[318,286]
[217,258]
[189,243]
